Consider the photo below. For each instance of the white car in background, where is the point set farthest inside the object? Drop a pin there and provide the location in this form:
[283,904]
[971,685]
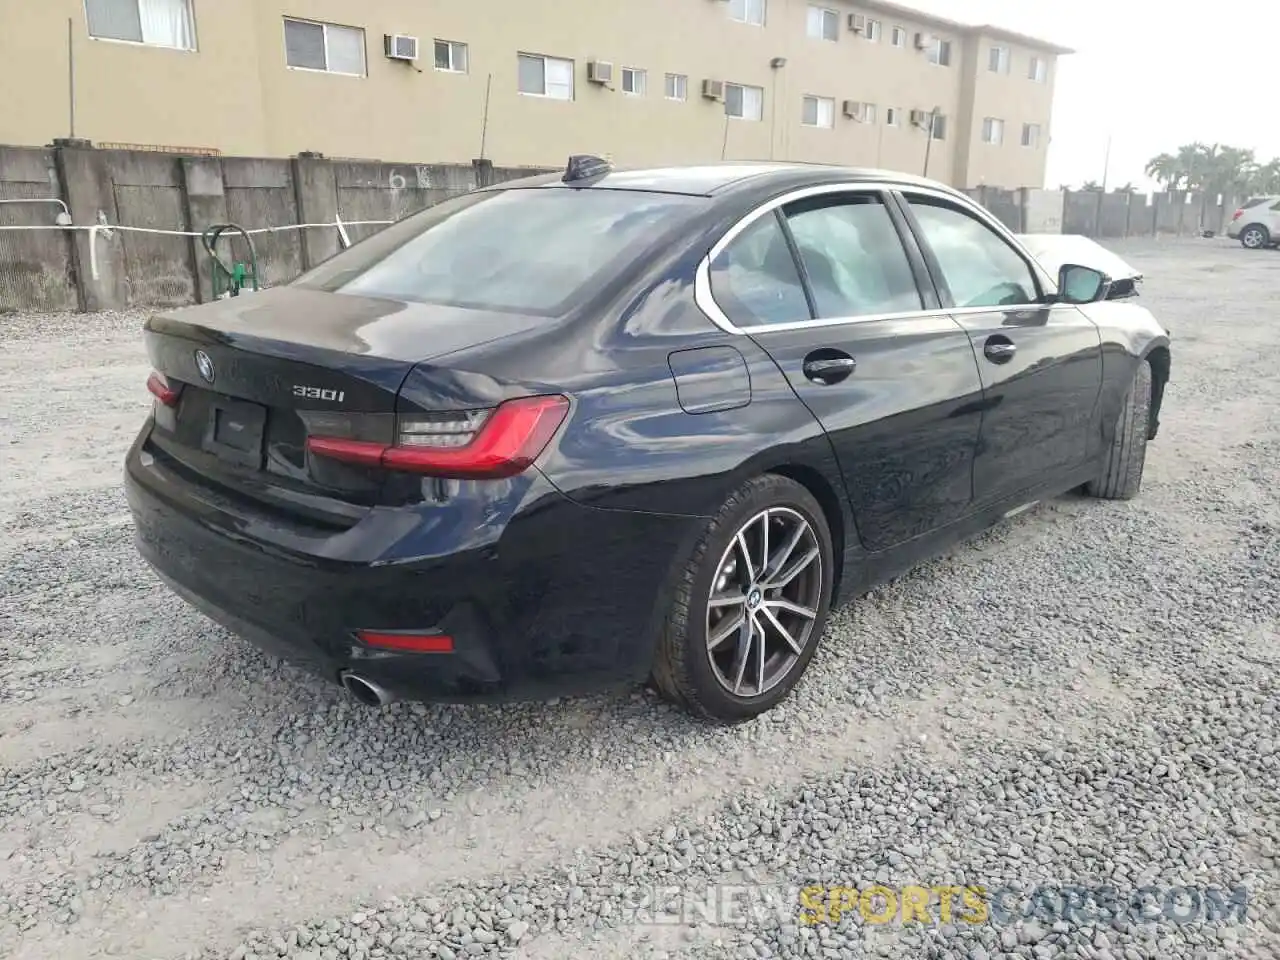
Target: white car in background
[1257,223]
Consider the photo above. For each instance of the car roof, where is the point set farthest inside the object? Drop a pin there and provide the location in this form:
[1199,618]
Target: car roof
[707,180]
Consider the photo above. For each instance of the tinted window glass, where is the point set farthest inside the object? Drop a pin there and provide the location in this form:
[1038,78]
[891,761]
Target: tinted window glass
[853,256]
[979,267]
[755,280]
[539,251]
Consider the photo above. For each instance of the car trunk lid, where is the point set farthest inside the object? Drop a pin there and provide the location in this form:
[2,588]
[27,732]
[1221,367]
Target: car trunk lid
[242,385]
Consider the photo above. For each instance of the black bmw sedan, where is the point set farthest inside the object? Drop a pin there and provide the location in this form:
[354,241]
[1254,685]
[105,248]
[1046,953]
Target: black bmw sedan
[596,428]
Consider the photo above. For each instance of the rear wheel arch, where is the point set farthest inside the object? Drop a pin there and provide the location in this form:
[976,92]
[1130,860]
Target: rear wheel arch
[833,510]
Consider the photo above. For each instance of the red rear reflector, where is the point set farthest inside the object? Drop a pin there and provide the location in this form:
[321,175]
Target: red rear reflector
[161,389]
[509,439]
[408,642]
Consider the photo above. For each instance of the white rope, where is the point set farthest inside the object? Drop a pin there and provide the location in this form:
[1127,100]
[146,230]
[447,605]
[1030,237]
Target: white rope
[94,229]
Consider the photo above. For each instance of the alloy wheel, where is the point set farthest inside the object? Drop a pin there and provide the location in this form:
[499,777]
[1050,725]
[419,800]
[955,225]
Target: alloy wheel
[1252,238]
[764,602]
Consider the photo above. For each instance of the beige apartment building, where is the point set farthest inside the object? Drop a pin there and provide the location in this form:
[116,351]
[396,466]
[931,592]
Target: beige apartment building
[529,82]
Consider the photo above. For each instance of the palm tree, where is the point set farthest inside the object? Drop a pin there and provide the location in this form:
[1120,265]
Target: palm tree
[1091,186]
[1266,178]
[1164,170]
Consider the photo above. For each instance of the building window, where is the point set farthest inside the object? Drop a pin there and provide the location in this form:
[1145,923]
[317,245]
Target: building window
[998,60]
[899,36]
[324,46]
[677,86]
[548,77]
[891,116]
[818,112]
[939,127]
[157,23]
[634,81]
[824,24]
[743,102]
[1031,134]
[940,52]
[451,57]
[1038,70]
[993,131]
[873,31]
[747,11]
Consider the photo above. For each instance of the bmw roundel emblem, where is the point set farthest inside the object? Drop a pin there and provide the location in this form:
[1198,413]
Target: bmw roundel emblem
[204,365]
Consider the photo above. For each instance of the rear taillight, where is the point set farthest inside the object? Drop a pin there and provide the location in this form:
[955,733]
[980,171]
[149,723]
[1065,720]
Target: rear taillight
[1238,214]
[471,444]
[162,389]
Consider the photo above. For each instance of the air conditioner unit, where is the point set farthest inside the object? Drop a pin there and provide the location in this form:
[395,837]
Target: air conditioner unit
[713,89]
[922,41]
[853,109]
[600,71]
[400,47]
[857,22]
[919,118]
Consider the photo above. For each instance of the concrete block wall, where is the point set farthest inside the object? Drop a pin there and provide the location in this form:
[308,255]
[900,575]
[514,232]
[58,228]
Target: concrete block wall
[51,269]
[65,270]
[35,266]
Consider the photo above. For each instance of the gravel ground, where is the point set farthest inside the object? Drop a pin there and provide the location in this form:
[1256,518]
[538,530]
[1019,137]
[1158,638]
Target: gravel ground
[1085,696]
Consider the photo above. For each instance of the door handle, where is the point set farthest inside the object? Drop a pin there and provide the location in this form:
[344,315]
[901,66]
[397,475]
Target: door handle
[1000,351]
[829,369]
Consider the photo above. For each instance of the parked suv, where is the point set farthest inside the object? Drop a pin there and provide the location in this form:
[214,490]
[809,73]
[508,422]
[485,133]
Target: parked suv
[1257,223]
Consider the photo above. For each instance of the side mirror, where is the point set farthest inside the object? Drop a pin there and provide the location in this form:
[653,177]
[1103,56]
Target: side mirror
[1078,284]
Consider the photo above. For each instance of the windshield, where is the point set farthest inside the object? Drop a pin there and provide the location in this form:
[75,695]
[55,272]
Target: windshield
[539,250]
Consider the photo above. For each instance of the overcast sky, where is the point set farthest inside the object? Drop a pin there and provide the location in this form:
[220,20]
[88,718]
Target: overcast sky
[1154,74]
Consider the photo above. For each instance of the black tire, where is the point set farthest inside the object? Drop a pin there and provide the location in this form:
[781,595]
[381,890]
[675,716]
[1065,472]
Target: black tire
[1121,477]
[683,671]
[1255,237]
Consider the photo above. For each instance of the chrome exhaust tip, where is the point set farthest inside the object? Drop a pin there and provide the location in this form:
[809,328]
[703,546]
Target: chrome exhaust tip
[366,691]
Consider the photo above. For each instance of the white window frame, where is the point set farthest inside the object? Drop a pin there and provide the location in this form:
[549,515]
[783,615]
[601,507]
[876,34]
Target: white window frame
[939,120]
[898,36]
[675,86]
[364,47]
[1038,70]
[1028,141]
[825,15]
[747,7]
[545,58]
[935,52]
[892,117]
[191,14]
[873,31]
[744,87]
[818,104]
[636,74]
[1002,57]
[993,131]
[453,46]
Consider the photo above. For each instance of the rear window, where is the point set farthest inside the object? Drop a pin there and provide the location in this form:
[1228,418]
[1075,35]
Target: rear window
[538,250]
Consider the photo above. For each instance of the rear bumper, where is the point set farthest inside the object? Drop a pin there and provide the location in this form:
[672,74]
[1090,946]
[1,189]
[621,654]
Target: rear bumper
[561,599]
[1233,230]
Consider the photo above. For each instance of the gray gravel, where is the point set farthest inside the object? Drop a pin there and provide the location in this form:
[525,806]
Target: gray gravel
[1085,696]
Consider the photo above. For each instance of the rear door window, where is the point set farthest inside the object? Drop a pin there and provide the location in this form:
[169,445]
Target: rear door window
[853,256]
[754,279]
[538,251]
